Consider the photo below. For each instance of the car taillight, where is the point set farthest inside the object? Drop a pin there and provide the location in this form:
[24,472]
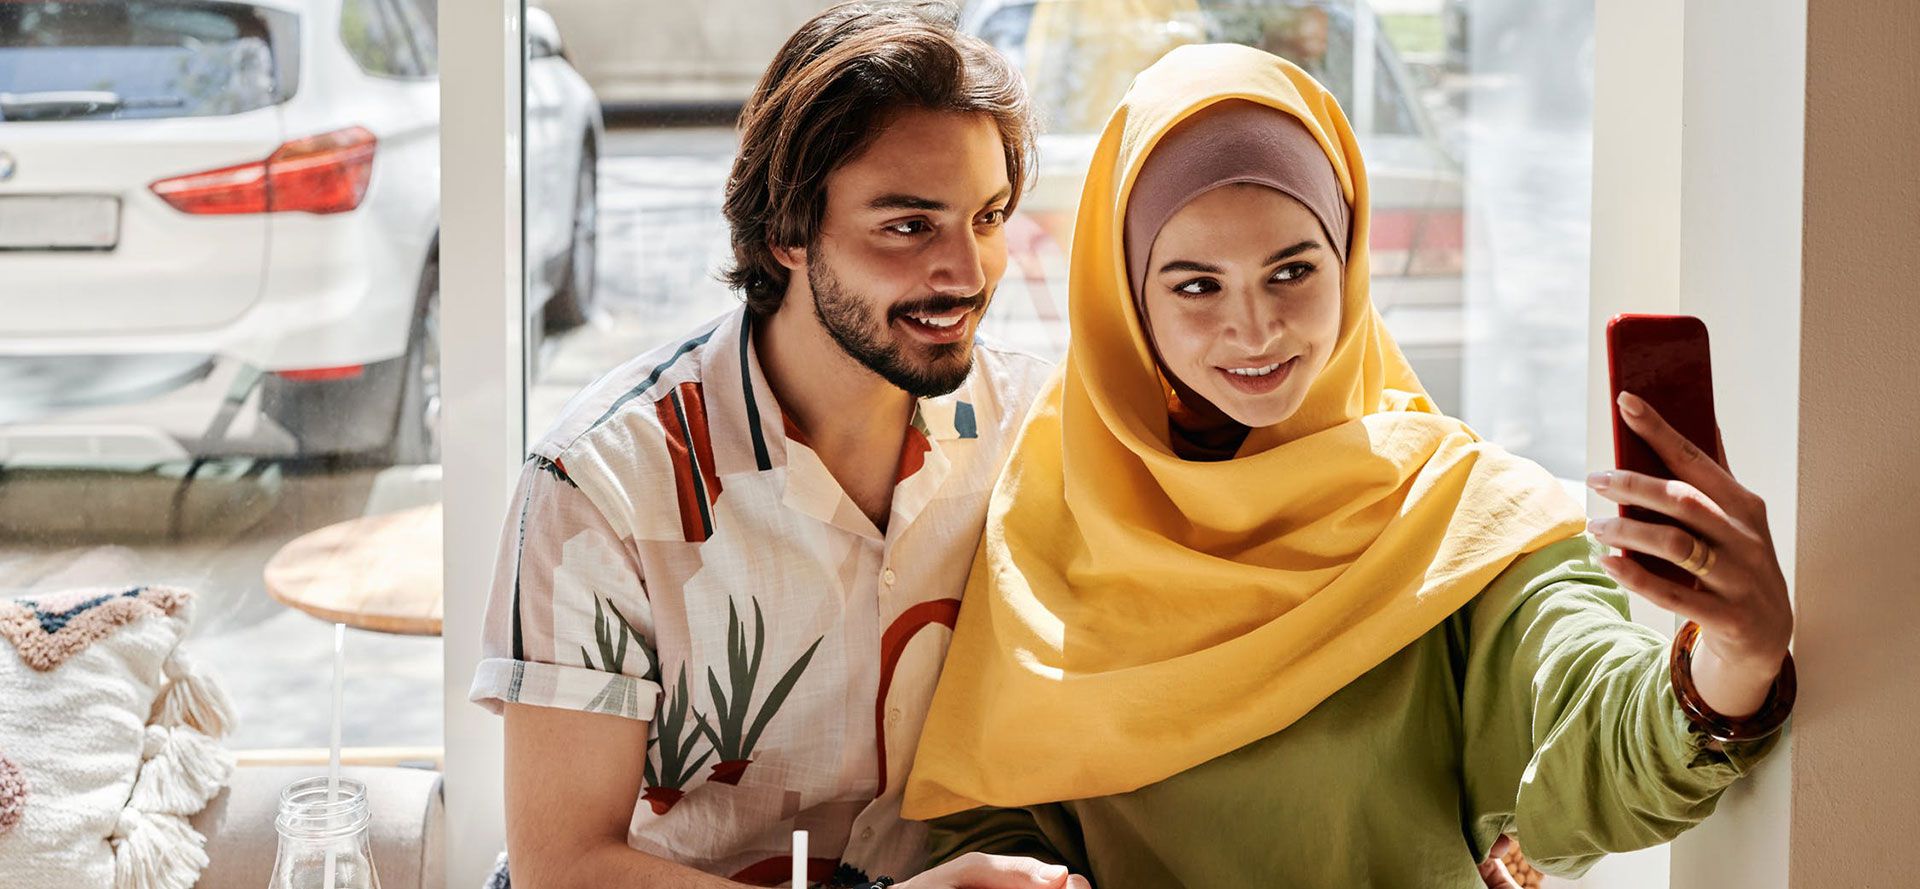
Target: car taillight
[319,174]
[1442,247]
[322,374]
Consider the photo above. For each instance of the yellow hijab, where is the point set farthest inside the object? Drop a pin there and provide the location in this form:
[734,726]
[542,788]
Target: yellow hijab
[1132,614]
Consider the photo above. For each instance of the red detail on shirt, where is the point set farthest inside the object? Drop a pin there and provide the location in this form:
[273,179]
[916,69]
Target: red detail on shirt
[776,871]
[694,402]
[913,455]
[689,498]
[893,644]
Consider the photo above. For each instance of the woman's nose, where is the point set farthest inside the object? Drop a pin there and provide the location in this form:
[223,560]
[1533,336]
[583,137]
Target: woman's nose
[1254,320]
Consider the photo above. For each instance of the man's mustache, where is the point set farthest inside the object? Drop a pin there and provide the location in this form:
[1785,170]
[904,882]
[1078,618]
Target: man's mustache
[935,305]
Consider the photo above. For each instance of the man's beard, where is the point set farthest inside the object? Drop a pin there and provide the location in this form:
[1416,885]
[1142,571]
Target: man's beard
[921,370]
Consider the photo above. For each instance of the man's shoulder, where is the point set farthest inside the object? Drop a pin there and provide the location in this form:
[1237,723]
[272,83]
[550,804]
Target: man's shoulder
[1015,377]
[623,403]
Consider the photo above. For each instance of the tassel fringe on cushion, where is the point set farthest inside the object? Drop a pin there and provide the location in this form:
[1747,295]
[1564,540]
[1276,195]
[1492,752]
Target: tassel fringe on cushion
[183,769]
[156,852]
[192,698]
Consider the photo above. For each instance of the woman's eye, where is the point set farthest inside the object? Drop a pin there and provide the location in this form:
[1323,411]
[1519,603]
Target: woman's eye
[1293,271]
[909,227]
[1197,287]
[993,217]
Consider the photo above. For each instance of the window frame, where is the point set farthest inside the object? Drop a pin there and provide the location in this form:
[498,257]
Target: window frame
[1642,209]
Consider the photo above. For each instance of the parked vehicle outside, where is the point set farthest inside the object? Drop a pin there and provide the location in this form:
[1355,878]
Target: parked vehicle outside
[248,192]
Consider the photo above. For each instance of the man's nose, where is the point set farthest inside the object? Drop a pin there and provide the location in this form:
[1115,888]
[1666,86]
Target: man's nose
[957,267]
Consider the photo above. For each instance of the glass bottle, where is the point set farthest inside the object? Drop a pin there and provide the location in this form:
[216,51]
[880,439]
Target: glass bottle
[311,826]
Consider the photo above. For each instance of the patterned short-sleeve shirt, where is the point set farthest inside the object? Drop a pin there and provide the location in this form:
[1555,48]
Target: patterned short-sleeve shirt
[677,553]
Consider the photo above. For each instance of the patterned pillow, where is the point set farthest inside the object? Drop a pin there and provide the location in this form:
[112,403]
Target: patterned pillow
[108,741]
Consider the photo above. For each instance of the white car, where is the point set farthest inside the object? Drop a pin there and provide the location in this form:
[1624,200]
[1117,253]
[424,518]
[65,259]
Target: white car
[243,199]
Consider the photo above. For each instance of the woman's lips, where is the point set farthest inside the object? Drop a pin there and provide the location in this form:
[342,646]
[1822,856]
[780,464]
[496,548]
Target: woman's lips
[1258,379]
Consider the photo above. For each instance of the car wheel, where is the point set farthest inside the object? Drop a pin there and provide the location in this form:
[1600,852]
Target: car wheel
[572,303]
[389,412]
[416,422]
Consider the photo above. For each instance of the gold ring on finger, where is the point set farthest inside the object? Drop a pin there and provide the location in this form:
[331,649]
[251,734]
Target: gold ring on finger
[1700,559]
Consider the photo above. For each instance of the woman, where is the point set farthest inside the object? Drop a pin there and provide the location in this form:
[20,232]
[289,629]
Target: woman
[1250,611]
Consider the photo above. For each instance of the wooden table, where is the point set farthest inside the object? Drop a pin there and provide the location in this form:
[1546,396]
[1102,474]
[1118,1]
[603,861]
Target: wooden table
[378,572]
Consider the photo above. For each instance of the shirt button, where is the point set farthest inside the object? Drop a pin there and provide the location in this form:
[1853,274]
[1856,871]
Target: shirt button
[887,576]
[893,716]
[866,834]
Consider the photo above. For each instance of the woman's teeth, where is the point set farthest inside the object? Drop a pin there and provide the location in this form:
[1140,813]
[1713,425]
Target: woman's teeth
[1260,371]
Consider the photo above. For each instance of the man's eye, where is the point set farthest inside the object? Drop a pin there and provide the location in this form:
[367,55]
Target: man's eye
[909,227]
[1293,271]
[1197,287]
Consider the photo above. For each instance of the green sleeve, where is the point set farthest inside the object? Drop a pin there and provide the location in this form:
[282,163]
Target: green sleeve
[1045,832]
[1574,741]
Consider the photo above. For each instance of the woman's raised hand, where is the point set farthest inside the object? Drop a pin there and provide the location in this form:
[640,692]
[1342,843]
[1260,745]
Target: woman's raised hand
[1741,601]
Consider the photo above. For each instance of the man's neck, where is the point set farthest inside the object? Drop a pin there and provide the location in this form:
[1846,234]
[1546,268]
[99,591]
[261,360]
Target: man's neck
[839,404]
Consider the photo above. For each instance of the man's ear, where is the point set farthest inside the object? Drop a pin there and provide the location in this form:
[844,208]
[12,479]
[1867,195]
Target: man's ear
[794,258]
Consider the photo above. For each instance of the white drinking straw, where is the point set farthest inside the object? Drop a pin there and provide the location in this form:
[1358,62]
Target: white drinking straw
[799,859]
[333,755]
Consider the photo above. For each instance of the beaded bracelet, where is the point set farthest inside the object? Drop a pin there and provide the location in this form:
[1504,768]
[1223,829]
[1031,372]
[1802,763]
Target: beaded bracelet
[1765,721]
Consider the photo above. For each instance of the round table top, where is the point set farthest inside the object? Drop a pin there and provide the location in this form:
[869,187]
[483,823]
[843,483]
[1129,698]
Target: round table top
[380,572]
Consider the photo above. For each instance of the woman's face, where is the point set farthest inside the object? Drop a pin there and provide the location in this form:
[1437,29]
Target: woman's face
[1243,296]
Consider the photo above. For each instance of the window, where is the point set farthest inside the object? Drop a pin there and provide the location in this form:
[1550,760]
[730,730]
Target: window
[69,61]
[220,365]
[1476,153]
[377,39]
[421,19]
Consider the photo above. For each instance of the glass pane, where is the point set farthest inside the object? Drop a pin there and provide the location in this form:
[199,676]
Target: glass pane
[376,40]
[71,61]
[219,369]
[1477,146]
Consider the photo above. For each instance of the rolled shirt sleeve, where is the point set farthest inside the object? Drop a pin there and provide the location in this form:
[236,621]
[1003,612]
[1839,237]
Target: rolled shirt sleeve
[568,623]
[1575,742]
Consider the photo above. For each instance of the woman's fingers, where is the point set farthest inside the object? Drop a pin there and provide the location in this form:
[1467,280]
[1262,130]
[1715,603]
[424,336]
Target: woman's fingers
[1675,499]
[1694,604]
[1664,541]
[1494,873]
[1688,462]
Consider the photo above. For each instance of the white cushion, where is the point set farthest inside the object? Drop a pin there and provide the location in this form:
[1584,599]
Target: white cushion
[111,736]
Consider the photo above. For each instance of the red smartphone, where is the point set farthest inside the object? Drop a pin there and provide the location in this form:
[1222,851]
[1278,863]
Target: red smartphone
[1663,359]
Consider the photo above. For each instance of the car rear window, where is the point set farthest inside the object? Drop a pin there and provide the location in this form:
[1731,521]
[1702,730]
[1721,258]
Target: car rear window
[143,59]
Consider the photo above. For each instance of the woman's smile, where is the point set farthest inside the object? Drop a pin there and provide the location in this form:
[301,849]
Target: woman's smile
[1258,379]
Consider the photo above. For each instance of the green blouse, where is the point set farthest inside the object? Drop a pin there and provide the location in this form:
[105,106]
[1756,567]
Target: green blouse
[1538,710]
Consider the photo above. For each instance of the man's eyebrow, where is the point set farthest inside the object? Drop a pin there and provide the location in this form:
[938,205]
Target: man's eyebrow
[900,201]
[1004,193]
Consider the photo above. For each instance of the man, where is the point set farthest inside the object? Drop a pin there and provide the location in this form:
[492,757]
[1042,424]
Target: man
[732,566]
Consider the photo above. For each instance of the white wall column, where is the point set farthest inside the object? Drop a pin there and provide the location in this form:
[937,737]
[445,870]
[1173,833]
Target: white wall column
[481,283]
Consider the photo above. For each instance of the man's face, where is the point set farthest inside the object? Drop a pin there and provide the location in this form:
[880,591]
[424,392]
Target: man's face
[910,248]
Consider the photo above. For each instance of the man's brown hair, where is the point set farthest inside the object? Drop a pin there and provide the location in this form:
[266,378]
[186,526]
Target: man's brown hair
[822,101]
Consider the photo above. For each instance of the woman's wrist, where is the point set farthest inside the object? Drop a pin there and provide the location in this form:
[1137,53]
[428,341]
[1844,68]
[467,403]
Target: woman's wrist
[1725,701]
[1733,689]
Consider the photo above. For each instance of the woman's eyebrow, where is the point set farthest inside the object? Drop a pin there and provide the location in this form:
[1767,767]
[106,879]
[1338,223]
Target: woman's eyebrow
[1188,265]
[1294,250]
